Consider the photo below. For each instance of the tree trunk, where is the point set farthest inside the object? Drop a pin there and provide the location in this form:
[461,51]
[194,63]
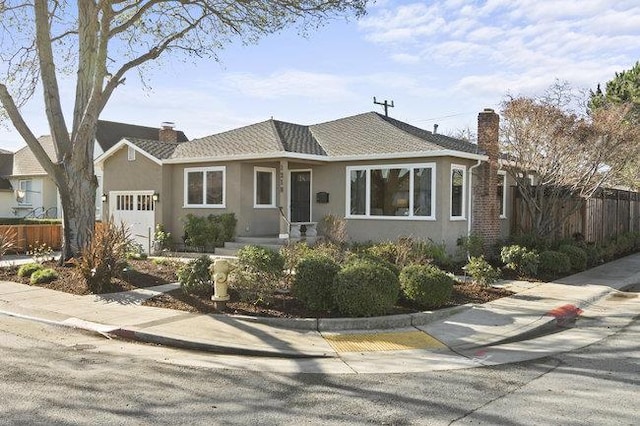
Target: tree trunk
[78,199]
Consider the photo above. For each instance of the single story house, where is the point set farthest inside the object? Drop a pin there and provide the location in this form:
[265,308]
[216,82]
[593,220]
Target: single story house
[34,193]
[387,178]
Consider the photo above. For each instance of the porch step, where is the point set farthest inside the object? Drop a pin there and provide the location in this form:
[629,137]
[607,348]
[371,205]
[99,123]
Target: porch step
[260,240]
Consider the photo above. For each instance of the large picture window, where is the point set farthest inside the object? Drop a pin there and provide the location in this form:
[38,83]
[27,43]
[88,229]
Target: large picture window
[458,191]
[393,191]
[204,187]
[264,187]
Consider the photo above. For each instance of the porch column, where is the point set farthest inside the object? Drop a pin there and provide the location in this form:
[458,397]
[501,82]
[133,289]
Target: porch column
[283,202]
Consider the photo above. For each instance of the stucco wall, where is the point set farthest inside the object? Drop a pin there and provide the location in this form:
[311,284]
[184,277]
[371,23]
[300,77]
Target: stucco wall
[7,200]
[142,174]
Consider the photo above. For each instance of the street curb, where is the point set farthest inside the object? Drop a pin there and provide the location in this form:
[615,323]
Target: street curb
[552,321]
[345,324]
[141,336]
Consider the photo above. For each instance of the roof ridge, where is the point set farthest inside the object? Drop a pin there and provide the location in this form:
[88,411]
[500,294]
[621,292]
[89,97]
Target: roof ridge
[231,130]
[278,134]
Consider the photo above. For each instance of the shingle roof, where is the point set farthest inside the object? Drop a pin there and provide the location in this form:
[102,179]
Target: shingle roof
[26,164]
[259,138]
[6,168]
[160,150]
[109,133]
[364,134]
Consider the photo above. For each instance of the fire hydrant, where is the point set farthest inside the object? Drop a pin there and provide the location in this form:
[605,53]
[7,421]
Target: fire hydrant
[219,271]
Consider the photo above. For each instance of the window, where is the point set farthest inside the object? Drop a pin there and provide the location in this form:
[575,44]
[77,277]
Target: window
[204,187]
[402,191]
[458,191]
[264,192]
[131,153]
[134,202]
[25,192]
[502,194]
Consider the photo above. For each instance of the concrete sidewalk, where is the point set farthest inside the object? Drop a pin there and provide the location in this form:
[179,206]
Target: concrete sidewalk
[451,338]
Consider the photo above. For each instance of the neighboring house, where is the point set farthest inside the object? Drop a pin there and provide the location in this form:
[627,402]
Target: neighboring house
[6,190]
[34,193]
[386,177]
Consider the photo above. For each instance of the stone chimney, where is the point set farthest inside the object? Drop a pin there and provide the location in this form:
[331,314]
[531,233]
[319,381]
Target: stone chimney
[167,132]
[486,214]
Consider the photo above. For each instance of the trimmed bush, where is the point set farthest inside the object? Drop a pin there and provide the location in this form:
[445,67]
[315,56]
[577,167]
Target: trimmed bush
[259,274]
[28,269]
[314,280]
[372,258]
[426,285]
[554,263]
[261,259]
[577,256]
[364,289]
[43,276]
[194,277]
[520,259]
[481,271]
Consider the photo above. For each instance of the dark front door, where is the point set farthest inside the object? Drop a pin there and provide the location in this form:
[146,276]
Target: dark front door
[300,197]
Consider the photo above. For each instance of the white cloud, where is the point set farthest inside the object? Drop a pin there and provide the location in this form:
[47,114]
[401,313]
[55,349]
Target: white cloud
[318,86]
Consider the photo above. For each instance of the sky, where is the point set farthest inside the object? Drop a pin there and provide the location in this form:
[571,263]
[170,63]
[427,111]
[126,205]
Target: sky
[440,62]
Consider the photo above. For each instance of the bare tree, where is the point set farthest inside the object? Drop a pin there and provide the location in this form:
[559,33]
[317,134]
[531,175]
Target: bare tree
[558,158]
[99,42]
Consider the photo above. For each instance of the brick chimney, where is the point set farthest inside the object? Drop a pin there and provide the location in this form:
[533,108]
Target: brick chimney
[167,132]
[486,214]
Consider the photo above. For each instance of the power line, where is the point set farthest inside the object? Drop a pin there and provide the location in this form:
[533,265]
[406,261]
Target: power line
[445,116]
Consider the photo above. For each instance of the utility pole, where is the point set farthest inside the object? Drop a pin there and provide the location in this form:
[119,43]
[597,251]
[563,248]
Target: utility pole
[385,104]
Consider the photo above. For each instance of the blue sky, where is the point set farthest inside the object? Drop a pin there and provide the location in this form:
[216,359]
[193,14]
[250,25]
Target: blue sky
[440,62]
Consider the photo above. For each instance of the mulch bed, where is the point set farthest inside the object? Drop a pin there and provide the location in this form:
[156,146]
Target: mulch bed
[144,273]
[139,274]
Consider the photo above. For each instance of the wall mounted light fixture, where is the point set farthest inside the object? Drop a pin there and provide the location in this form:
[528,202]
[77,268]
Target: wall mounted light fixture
[104,198]
[155,197]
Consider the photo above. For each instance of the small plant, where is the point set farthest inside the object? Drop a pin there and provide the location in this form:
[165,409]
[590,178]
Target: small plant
[554,263]
[520,259]
[471,246]
[195,278]
[426,285]
[43,276]
[136,251]
[162,239]
[262,260]
[577,256]
[105,257]
[313,282]
[8,241]
[29,268]
[481,271]
[40,252]
[363,289]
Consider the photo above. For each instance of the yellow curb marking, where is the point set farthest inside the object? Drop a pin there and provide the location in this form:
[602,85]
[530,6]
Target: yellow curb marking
[382,341]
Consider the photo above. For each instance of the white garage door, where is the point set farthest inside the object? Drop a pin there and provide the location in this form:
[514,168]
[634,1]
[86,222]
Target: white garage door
[137,210]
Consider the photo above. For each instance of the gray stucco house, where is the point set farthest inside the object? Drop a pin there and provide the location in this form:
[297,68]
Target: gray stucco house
[386,177]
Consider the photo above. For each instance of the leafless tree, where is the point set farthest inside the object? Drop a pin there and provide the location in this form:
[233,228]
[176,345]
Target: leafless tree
[98,42]
[558,158]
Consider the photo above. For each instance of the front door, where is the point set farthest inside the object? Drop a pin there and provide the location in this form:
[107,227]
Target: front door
[300,197]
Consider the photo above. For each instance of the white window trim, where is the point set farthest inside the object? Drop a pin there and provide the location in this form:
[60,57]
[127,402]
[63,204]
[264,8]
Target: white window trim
[28,193]
[255,187]
[368,169]
[131,153]
[464,192]
[203,170]
[503,175]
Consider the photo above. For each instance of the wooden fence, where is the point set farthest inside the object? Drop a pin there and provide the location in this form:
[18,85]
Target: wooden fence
[28,235]
[609,213]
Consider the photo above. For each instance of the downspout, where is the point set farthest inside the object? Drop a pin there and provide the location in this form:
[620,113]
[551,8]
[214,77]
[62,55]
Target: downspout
[470,215]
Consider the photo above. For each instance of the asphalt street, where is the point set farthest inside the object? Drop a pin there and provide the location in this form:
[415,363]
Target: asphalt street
[52,375]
